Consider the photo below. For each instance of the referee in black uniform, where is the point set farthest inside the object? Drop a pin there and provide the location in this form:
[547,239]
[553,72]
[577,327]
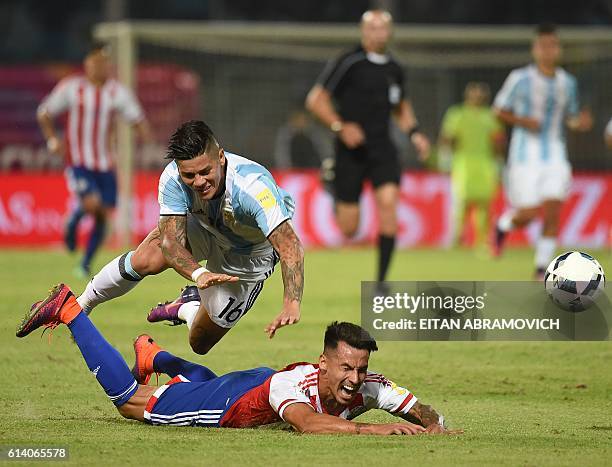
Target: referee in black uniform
[355,97]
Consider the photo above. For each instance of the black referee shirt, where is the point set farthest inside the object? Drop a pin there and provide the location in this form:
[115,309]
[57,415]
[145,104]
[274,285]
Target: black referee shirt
[365,88]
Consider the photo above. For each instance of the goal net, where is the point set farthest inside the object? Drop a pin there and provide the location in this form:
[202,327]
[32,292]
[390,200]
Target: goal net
[248,81]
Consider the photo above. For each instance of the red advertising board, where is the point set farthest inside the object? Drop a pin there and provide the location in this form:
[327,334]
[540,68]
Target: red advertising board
[32,209]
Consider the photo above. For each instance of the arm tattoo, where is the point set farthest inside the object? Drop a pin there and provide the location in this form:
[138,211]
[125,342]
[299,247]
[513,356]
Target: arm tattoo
[173,230]
[423,415]
[289,248]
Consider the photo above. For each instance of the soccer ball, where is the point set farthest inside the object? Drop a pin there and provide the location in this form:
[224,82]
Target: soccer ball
[574,280]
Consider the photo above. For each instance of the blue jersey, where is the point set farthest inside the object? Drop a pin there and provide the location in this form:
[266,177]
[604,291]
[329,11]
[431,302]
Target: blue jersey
[240,220]
[550,100]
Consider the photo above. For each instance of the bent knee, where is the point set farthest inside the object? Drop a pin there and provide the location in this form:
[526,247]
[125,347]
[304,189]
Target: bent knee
[525,217]
[347,218]
[148,261]
[349,231]
[124,411]
[198,346]
[348,225]
[387,206]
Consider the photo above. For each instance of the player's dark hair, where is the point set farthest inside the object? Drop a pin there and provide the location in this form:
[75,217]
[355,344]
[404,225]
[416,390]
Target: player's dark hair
[97,46]
[480,85]
[546,28]
[353,335]
[190,140]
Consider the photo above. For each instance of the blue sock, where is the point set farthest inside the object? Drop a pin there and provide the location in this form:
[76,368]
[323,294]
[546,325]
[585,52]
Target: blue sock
[71,227]
[107,365]
[95,240]
[165,362]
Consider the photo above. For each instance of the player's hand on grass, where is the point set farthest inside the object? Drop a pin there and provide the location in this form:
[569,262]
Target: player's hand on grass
[436,429]
[401,428]
[352,135]
[209,279]
[421,144]
[289,315]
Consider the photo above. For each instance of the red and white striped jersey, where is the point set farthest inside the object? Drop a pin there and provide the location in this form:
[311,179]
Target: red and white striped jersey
[91,113]
[298,383]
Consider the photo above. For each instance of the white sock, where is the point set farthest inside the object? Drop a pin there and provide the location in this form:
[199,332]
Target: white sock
[545,250]
[114,280]
[504,223]
[188,311]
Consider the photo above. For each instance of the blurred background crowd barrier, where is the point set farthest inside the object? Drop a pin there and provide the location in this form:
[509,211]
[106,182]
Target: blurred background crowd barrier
[249,81]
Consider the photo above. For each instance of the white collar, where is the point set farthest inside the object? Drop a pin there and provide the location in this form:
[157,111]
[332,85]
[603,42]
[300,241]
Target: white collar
[378,59]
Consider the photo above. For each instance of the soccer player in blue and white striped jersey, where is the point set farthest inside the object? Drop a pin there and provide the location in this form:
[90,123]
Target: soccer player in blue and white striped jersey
[539,101]
[227,210]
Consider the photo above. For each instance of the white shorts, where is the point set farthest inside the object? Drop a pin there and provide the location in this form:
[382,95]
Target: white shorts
[529,185]
[227,303]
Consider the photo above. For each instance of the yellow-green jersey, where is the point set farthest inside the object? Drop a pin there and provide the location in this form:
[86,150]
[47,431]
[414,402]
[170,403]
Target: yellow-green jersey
[474,169]
[472,130]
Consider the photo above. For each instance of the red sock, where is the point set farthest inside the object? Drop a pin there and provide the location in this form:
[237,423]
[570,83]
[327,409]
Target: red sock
[70,309]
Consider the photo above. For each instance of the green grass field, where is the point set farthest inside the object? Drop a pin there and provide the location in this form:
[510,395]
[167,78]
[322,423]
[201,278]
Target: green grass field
[534,403]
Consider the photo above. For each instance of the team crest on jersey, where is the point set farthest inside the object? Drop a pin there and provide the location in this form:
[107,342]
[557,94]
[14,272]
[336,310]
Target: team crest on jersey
[228,214]
[400,390]
[266,199]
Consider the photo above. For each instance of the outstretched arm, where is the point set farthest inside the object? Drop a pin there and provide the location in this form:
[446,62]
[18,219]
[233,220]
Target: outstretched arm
[305,420]
[289,248]
[423,414]
[173,230]
[427,417]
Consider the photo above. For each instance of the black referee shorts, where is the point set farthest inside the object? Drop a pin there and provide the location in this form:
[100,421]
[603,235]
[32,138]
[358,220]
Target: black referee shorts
[376,161]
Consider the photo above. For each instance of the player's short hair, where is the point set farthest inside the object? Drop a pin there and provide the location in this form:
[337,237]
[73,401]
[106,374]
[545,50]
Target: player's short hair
[97,46]
[545,28]
[190,140]
[481,86]
[353,335]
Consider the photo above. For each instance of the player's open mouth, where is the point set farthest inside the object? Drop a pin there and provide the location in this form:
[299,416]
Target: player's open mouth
[204,191]
[349,390]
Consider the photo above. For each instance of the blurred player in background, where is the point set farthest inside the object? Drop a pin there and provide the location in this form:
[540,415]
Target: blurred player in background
[225,209]
[608,134]
[539,101]
[474,138]
[355,97]
[312,398]
[91,101]
[299,143]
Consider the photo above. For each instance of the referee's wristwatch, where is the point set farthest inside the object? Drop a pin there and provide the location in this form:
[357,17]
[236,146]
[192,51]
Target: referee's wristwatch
[336,126]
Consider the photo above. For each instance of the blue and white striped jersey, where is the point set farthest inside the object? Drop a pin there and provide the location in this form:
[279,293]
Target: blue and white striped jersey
[240,220]
[550,100]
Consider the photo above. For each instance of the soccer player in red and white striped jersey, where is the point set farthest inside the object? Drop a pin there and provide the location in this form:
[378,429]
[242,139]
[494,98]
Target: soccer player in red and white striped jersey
[312,398]
[92,101]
